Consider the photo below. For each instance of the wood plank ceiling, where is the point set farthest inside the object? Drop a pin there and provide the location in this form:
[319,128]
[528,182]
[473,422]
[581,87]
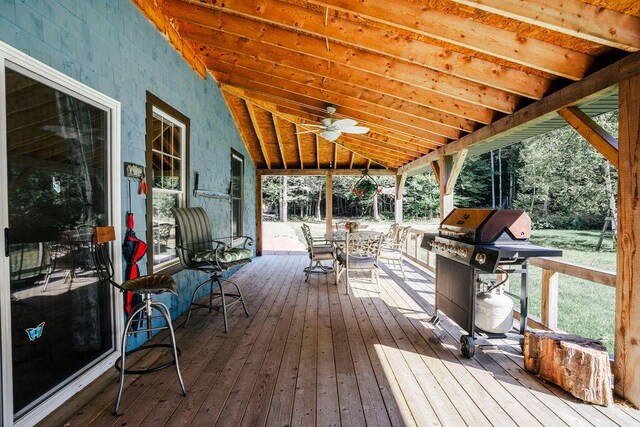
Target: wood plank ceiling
[419,74]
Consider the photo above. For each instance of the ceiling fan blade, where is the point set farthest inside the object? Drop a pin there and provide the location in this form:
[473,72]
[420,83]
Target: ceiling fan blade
[344,123]
[331,135]
[356,129]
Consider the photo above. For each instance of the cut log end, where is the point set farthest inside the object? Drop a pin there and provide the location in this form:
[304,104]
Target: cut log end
[578,365]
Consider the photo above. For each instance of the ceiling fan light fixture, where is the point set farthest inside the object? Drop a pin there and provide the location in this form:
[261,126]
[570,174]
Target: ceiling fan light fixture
[330,135]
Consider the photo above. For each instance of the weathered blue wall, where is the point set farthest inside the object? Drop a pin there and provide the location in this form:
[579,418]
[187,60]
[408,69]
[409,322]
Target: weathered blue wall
[109,46]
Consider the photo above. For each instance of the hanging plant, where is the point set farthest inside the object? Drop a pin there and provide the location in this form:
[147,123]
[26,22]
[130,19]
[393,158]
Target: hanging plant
[366,187]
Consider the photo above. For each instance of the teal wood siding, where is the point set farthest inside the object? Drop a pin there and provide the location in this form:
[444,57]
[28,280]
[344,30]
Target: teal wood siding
[110,46]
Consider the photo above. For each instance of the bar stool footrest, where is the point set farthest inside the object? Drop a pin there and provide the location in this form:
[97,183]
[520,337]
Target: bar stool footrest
[151,369]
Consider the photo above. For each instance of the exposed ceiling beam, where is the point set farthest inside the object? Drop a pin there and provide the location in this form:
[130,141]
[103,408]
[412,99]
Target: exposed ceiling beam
[320,106]
[470,34]
[304,116]
[151,10]
[373,86]
[274,118]
[359,35]
[264,71]
[572,17]
[256,127]
[299,146]
[236,118]
[601,140]
[348,106]
[591,87]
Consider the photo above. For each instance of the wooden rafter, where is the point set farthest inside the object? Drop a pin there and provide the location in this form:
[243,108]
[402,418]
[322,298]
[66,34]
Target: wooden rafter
[463,32]
[151,10]
[274,118]
[319,106]
[241,129]
[572,17]
[359,35]
[299,146]
[310,53]
[295,115]
[372,85]
[351,107]
[465,117]
[322,172]
[256,127]
[306,105]
[601,140]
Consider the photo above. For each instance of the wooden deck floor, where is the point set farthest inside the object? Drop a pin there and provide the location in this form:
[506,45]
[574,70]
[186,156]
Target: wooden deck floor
[311,355]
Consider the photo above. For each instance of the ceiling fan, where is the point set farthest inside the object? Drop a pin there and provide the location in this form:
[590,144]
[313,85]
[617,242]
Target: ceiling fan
[331,128]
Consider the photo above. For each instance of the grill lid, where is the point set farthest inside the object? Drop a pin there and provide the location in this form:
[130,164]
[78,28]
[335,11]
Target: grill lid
[486,226]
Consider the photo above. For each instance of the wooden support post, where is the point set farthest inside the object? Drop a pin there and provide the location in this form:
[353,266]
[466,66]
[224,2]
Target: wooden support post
[400,181]
[550,298]
[445,165]
[329,202]
[627,338]
[258,214]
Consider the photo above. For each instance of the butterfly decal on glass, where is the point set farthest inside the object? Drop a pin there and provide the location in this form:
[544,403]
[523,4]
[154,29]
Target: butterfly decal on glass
[36,332]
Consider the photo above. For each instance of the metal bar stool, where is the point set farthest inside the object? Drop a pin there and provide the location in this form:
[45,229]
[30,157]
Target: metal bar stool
[145,286]
[198,250]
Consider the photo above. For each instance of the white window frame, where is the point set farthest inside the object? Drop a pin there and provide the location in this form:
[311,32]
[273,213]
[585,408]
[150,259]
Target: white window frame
[14,59]
[183,178]
[239,157]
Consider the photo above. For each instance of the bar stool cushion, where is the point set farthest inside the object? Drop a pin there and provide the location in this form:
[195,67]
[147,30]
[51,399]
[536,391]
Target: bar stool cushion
[228,256]
[151,284]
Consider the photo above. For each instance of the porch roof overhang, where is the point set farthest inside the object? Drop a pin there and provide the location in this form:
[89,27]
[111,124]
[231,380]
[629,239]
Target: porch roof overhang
[488,77]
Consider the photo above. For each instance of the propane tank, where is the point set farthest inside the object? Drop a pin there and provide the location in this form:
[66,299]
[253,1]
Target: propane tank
[494,310]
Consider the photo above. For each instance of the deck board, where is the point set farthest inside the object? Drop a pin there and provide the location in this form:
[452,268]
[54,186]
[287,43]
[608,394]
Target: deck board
[311,355]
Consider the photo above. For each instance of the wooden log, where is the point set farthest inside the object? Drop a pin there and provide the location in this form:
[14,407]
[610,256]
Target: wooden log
[578,365]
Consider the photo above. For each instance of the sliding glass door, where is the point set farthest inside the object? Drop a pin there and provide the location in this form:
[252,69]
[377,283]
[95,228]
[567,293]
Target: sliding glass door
[57,188]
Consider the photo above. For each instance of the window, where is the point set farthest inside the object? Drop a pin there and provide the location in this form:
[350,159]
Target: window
[167,163]
[236,191]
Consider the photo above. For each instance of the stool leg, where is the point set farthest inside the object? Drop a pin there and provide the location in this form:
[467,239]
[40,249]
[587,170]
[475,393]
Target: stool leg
[211,296]
[193,297]
[241,298]
[123,355]
[224,305]
[165,313]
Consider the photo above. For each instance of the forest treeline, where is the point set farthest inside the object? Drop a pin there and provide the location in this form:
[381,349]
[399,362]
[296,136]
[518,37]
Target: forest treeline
[557,177]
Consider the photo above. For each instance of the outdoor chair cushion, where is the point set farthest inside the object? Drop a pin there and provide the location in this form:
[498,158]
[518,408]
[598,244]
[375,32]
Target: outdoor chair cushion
[227,256]
[358,263]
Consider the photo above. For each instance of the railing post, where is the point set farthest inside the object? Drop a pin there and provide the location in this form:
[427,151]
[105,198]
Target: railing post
[418,242]
[550,298]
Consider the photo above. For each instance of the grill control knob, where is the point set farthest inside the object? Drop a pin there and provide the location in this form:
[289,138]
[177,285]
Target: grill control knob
[481,258]
[463,252]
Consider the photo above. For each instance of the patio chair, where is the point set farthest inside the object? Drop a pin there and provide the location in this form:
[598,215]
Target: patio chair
[392,250]
[146,286]
[391,235]
[199,251]
[317,254]
[361,252]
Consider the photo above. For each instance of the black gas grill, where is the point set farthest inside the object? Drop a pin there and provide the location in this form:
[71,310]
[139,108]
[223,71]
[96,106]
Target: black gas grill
[471,242]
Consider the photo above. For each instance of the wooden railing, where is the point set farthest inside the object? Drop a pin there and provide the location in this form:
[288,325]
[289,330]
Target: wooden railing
[551,269]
